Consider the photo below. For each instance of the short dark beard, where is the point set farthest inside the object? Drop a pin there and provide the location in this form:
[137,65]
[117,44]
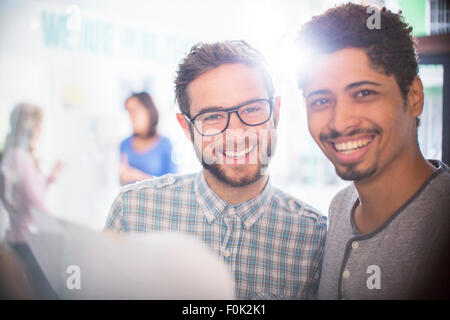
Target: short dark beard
[221,176]
[216,170]
[351,174]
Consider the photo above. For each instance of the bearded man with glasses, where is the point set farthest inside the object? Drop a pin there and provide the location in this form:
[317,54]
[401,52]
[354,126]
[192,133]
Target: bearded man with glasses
[272,242]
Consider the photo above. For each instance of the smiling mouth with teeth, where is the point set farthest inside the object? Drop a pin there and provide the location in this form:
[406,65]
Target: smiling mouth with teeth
[238,155]
[352,146]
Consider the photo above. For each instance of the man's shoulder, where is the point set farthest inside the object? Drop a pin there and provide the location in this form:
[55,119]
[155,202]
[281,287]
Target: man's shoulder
[342,202]
[441,180]
[165,183]
[345,197]
[297,208]
[434,195]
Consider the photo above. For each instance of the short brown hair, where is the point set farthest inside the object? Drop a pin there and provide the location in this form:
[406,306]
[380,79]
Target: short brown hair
[207,56]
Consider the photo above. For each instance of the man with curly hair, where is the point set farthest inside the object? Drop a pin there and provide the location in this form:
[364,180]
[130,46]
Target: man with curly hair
[388,231]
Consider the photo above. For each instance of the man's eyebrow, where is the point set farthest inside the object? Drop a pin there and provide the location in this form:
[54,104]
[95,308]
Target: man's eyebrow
[212,108]
[348,87]
[217,108]
[361,83]
[317,92]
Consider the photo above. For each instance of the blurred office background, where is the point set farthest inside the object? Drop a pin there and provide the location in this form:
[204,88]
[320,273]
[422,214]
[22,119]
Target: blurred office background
[80,59]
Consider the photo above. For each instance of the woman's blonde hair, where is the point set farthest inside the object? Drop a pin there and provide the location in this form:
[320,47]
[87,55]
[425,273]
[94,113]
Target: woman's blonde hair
[24,121]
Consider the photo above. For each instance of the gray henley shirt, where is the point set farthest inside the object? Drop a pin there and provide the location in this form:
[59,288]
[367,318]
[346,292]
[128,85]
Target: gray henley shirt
[406,258]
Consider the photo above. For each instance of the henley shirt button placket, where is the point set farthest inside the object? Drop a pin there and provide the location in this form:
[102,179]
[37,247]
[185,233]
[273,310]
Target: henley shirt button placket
[346,273]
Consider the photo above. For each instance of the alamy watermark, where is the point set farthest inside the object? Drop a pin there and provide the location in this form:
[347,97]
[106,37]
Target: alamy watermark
[374,21]
[374,280]
[73,281]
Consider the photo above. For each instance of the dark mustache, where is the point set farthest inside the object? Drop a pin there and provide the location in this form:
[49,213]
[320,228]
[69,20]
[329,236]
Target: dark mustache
[336,134]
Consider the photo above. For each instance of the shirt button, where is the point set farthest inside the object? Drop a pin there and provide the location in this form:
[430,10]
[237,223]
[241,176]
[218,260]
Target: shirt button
[346,274]
[232,211]
[226,254]
[355,245]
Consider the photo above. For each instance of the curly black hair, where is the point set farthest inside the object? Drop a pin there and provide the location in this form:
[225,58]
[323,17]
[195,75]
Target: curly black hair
[391,48]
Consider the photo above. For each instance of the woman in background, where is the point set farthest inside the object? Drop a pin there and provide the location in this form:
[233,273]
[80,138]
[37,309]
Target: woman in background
[24,187]
[144,154]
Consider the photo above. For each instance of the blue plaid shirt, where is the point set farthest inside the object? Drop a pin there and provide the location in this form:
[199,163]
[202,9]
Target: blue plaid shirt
[273,243]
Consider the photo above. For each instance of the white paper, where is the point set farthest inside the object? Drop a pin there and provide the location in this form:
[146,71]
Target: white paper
[162,265]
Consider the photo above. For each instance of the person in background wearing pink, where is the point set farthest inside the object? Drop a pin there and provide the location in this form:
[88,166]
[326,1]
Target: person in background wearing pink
[24,187]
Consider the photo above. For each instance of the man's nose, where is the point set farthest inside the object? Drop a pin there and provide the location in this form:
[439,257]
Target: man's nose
[343,117]
[235,133]
[235,122]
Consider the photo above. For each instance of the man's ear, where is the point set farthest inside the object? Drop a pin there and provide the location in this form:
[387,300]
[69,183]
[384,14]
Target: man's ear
[276,110]
[415,98]
[184,123]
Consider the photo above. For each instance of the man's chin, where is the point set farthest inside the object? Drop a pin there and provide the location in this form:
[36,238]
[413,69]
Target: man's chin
[236,177]
[352,173]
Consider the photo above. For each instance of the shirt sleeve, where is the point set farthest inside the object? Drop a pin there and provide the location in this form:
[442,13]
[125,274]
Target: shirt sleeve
[114,221]
[316,263]
[33,183]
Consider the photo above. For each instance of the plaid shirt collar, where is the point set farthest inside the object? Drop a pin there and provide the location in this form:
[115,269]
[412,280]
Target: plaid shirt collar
[213,206]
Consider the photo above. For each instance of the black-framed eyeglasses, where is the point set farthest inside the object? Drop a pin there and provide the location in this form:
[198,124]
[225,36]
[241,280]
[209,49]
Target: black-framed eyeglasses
[251,113]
